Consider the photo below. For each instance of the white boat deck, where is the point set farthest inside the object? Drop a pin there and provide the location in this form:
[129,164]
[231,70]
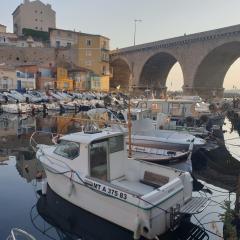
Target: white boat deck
[133,186]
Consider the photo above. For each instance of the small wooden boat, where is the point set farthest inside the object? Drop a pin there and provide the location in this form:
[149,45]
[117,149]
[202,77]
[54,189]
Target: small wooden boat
[160,156]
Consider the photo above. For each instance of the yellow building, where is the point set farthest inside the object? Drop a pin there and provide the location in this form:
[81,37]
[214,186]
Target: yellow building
[90,51]
[63,82]
[100,83]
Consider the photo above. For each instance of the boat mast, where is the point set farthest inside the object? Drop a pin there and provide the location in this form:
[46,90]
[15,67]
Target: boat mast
[129,130]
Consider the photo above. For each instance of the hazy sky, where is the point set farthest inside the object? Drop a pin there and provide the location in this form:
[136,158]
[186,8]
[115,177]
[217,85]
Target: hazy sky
[160,19]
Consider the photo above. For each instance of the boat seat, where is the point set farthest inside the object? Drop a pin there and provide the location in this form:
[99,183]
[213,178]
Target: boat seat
[154,180]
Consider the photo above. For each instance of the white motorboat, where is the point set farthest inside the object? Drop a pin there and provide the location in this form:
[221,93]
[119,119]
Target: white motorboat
[55,96]
[18,96]
[92,171]
[11,97]
[69,106]
[17,108]
[144,134]
[52,106]
[42,95]
[32,98]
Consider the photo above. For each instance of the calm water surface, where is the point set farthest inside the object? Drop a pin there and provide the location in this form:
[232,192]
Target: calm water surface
[51,217]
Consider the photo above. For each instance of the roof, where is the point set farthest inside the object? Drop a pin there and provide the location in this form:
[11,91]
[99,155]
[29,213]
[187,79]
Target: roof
[80,33]
[1,25]
[87,138]
[18,7]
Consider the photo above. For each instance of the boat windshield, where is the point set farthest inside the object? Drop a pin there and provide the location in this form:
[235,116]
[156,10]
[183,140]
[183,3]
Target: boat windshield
[68,149]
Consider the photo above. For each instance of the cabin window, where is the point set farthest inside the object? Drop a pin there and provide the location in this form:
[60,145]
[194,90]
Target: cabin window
[116,144]
[99,160]
[68,149]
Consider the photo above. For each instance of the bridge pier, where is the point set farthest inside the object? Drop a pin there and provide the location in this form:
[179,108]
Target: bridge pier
[204,92]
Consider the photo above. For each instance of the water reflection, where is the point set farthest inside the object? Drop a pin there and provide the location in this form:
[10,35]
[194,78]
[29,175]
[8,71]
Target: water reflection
[58,219]
[30,169]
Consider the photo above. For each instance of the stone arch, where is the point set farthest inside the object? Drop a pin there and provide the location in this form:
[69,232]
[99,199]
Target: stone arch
[121,73]
[155,71]
[210,73]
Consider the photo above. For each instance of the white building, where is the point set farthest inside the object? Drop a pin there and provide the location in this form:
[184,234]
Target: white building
[33,15]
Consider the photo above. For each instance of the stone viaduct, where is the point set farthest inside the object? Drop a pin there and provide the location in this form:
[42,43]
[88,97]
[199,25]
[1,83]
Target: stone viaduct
[204,58]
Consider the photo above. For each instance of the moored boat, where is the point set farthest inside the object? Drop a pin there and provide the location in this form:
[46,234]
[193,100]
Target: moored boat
[92,171]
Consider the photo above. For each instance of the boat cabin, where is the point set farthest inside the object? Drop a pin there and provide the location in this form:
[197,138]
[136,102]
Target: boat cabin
[172,107]
[99,155]
[137,114]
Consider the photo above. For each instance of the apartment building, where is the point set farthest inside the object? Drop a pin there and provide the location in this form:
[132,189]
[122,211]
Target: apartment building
[33,15]
[91,51]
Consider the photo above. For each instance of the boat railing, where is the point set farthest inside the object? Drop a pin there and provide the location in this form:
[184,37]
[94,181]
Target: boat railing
[17,233]
[33,142]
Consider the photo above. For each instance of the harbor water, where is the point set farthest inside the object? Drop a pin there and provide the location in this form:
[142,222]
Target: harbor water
[51,217]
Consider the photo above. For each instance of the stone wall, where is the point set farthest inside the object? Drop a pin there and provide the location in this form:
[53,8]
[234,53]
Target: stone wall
[21,56]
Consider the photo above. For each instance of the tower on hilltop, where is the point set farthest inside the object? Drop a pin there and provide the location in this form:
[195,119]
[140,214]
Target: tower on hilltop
[33,15]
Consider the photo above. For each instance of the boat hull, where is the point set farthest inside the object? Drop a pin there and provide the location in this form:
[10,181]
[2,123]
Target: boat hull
[114,210]
[141,142]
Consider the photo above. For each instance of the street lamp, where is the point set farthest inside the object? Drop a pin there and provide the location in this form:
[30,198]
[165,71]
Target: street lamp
[135,29]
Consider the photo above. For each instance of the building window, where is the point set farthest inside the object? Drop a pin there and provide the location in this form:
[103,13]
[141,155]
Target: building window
[88,53]
[69,44]
[104,70]
[89,42]
[69,34]
[58,44]
[41,12]
[35,11]
[36,20]
[36,28]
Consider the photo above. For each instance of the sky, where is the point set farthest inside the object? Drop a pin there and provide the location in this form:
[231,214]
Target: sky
[161,19]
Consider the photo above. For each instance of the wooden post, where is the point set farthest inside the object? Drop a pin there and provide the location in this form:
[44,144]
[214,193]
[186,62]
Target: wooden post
[129,130]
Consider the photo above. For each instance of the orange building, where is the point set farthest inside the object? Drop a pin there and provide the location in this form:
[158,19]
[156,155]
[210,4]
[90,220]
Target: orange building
[63,82]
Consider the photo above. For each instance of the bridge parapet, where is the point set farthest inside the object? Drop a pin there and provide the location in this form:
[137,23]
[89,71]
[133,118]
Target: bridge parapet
[182,40]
